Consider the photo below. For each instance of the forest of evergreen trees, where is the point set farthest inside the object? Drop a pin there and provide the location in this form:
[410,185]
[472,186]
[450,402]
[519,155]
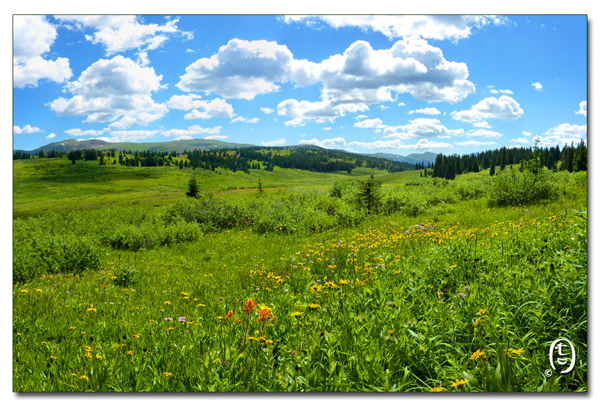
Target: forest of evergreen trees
[570,158]
[235,159]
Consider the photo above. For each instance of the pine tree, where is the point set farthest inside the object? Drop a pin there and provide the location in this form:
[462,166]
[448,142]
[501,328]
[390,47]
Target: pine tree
[493,169]
[503,158]
[192,188]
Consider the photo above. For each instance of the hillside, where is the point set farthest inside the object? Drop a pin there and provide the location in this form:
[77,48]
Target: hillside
[177,146]
[411,159]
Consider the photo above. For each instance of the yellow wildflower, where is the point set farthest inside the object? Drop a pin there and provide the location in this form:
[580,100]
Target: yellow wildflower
[459,383]
[478,354]
[440,389]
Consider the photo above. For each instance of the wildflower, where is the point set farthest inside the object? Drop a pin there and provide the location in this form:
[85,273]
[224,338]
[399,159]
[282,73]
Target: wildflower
[515,352]
[249,306]
[129,352]
[296,314]
[99,357]
[52,358]
[171,328]
[263,315]
[71,328]
[440,389]
[478,354]
[84,377]
[168,319]
[167,374]
[167,303]
[136,336]
[482,312]
[461,295]
[459,383]
[92,309]
[24,290]
[38,290]
[313,306]
[477,321]
[343,282]
[182,319]
[201,305]
[44,343]
[83,332]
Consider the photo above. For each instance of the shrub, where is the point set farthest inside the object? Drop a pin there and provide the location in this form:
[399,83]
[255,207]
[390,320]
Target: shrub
[512,187]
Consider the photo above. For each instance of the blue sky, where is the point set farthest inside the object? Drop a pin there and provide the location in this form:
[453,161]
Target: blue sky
[385,83]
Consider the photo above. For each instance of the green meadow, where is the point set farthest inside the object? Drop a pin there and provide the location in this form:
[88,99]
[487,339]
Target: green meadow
[322,282]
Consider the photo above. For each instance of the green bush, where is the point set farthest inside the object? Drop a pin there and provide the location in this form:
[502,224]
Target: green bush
[512,187]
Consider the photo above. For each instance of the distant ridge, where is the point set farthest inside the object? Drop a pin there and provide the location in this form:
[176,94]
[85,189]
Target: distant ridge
[411,159]
[69,145]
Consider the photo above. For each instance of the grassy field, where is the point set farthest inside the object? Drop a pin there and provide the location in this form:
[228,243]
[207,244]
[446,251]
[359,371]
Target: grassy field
[292,289]
[55,184]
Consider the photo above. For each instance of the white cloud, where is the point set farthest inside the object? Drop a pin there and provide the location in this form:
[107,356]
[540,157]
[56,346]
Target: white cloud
[216,137]
[26,130]
[274,143]
[245,120]
[122,33]
[506,91]
[192,130]
[432,111]
[128,136]
[383,107]
[33,37]
[537,86]
[77,132]
[582,108]
[494,91]
[212,108]
[52,135]
[239,70]
[473,143]
[504,108]
[440,27]
[267,110]
[483,133]
[421,128]
[350,82]
[327,128]
[189,50]
[526,133]
[183,138]
[370,123]
[563,134]
[520,141]
[482,124]
[360,116]
[401,104]
[332,143]
[112,89]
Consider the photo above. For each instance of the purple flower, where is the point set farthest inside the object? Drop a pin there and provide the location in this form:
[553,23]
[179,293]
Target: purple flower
[68,292]
[294,352]
[182,319]
[390,304]
[186,331]
[466,287]
[461,295]
[111,303]
[168,319]
[133,290]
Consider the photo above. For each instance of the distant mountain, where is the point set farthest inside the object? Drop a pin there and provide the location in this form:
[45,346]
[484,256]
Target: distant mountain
[69,145]
[411,159]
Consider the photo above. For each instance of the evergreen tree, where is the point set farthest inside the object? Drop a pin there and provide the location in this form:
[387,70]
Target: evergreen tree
[260,188]
[369,193]
[580,157]
[503,158]
[192,188]
[492,169]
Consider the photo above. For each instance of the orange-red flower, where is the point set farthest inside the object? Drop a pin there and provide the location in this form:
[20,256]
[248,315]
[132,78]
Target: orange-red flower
[229,315]
[249,306]
[263,315]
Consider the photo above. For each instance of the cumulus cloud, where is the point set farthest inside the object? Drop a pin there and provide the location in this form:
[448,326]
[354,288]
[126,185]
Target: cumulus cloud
[421,128]
[504,108]
[483,133]
[482,124]
[267,110]
[128,136]
[26,130]
[203,109]
[274,143]
[473,143]
[537,86]
[78,132]
[216,137]
[327,128]
[112,89]
[383,107]
[370,123]
[526,133]
[245,120]
[52,135]
[520,140]
[350,82]
[33,37]
[563,134]
[189,50]
[183,138]
[440,27]
[582,109]
[122,33]
[192,130]
[340,143]
[432,111]
[401,104]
